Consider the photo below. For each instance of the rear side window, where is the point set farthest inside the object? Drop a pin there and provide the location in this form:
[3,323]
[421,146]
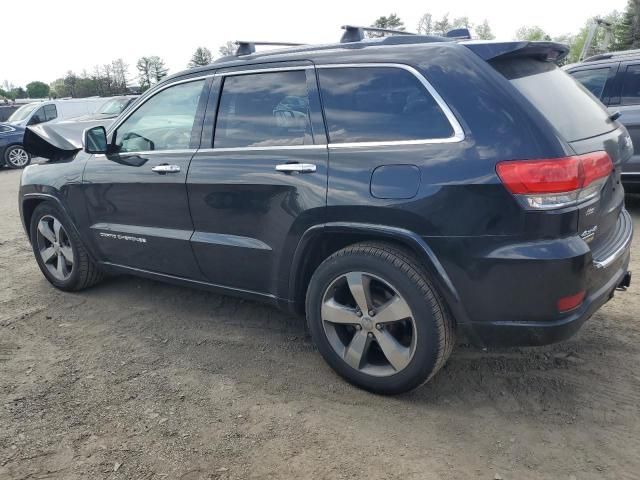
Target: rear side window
[264,109]
[631,86]
[378,104]
[50,112]
[593,80]
[569,108]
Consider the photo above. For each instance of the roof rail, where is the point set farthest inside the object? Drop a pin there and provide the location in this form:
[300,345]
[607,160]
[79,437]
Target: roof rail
[354,33]
[605,56]
[247,48]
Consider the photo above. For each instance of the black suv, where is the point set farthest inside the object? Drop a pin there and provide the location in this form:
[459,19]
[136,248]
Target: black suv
[614,78]
[397,191]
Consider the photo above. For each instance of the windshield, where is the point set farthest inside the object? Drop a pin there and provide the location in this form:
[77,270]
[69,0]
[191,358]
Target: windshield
[23,112]
[568,106]
[115,106]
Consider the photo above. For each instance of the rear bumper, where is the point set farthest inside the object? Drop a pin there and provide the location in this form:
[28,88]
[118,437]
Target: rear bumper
[544,333]
[513,299]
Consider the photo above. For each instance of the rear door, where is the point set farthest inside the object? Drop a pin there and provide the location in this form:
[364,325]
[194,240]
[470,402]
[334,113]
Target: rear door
[261,180]
[627,102]
[136,195]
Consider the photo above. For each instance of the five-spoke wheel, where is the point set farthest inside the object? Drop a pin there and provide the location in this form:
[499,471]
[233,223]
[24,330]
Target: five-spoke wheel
[368,323]
[61,255]
[377,319]
[55,248]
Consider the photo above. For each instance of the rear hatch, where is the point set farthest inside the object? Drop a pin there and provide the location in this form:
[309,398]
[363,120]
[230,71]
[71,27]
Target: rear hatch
[580,120]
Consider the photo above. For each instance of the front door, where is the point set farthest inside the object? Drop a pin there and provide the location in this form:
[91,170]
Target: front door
[263,182]
[136,195]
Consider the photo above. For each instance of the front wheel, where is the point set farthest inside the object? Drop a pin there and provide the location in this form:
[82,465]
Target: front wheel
[377,320]
[59,252]
[17,157]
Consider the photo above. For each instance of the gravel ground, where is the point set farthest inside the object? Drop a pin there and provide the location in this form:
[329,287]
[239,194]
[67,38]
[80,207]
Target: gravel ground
[135,379]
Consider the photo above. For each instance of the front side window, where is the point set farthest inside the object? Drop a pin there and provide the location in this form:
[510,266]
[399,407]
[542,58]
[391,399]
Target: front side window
[593,80]
[631,86]
[50,112]
[164,122]
[264,109]
[379,104]
[38,117]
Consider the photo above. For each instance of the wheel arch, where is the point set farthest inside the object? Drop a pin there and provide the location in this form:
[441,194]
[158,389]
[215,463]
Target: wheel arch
[321,241]
[30,202]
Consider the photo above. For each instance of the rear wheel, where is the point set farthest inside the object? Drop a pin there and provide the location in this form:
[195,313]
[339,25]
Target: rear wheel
[377,320]
[17,157]
[59,252]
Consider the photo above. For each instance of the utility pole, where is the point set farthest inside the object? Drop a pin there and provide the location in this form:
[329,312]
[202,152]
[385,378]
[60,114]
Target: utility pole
[593,29]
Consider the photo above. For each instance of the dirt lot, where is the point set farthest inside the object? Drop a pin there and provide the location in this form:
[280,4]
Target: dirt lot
[138,380]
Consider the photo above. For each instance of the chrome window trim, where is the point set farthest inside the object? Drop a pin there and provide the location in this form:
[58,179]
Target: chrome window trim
[117,124]
[458,132]
[292,68]
[153,152]
[629,173]
[269,147]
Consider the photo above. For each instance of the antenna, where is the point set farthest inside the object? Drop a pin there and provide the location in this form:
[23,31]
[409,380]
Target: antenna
[247,48]
[354,33]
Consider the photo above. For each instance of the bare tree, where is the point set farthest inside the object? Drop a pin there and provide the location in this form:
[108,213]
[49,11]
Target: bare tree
[229,48]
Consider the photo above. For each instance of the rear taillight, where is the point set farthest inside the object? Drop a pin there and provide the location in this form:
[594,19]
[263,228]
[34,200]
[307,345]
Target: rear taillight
[557,182]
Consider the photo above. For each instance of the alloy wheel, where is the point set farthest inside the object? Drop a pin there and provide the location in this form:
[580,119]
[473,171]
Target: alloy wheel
[55,248]
[18,157]
[369,324]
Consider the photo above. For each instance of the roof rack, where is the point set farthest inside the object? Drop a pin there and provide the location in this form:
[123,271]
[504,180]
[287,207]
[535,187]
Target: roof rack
[605,56]
[247,48]
[354,33]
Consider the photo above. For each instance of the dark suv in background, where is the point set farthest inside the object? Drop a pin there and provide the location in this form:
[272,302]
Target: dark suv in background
[614,78]
[397,191]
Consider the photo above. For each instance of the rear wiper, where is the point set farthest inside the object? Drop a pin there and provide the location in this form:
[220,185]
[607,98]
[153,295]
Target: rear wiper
[615,115]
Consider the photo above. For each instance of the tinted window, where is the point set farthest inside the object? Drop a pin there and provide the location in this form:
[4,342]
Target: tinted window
[570,109]
[593,80]
[373,104]
[631,86]
[266,109]
[50,112]
[38,117]
[164,122]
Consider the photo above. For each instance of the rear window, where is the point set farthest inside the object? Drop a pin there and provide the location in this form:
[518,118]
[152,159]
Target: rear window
[567,105]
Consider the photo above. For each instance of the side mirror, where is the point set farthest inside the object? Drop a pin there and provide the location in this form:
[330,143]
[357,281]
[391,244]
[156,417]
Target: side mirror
[94,140]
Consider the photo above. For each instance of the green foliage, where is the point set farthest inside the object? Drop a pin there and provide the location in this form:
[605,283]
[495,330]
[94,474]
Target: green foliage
[427,25]
[37,89]
[483,31]
[201,57]
[532,34]
[150,71]
[626,29]
[392,22]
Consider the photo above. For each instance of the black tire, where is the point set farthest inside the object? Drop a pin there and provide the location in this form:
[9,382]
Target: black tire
[434,326]
[83,271]
[11,162]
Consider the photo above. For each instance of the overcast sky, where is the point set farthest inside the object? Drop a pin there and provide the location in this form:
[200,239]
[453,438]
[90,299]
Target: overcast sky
[53,37]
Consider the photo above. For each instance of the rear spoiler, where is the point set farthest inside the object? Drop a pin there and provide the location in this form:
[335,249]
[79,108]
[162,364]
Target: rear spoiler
[545,51]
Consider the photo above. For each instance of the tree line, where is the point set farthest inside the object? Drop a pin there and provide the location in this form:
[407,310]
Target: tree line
[114,78]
